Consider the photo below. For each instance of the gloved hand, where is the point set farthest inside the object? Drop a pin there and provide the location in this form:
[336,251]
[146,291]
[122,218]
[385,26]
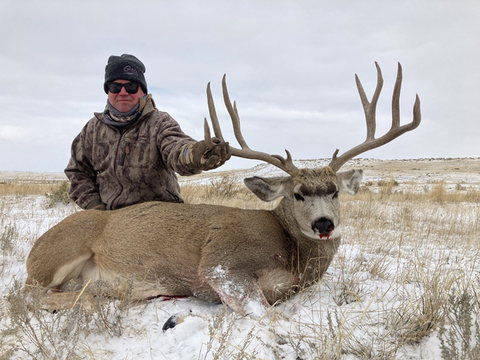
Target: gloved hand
[201,158]
[96,205]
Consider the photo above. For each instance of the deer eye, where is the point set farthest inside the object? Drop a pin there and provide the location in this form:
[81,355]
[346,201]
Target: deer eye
[298,197]
[335,195]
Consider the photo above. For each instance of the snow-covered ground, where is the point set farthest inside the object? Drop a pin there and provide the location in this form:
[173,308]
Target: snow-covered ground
[387,286]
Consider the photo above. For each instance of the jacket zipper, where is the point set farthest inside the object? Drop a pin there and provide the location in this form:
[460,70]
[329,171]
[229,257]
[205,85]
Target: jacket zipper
[115,167]
[125,153]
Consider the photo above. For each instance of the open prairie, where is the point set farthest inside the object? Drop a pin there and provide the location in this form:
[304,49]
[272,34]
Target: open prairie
[404,285]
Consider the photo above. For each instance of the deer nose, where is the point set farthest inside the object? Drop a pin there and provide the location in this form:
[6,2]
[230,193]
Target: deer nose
[324,226]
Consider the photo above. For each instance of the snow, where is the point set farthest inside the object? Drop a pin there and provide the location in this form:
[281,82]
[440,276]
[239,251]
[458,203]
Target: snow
[365,313]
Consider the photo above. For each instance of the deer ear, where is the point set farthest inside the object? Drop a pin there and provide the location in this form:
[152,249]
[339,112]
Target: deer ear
[349,181]
[268,189]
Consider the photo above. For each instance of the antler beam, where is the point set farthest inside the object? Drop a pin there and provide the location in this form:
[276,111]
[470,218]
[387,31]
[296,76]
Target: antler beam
[286,164]
[370,108]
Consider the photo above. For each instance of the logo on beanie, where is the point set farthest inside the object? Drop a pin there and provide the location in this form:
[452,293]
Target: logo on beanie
[130,70]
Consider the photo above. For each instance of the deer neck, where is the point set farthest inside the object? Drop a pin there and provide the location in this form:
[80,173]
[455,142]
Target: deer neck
[284,215]
[312,257]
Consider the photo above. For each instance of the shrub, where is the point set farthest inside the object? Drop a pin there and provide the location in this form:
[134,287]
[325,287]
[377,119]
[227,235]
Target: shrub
[58,194]
[227,187]
[456,340]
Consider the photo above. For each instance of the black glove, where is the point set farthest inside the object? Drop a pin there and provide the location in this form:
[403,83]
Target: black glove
[201,158]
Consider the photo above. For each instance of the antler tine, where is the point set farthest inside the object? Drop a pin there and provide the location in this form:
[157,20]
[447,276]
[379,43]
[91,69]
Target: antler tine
[286,164]
[207,136]
[232,110]
[369,108]
[213,114]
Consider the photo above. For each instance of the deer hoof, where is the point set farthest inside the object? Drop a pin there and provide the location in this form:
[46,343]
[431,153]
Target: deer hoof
[173,321]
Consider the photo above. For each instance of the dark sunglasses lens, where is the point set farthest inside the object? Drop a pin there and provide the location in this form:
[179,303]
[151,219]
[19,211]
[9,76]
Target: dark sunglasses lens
[115,88]
[131,88]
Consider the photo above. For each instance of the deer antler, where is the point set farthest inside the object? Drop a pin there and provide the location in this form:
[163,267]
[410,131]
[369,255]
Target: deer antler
[286,164]
[369,108]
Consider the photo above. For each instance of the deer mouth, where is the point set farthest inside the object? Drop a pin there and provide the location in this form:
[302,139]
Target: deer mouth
[323,227]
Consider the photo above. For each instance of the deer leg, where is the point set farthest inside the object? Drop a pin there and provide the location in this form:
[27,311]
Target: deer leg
[237,289]
[56,301]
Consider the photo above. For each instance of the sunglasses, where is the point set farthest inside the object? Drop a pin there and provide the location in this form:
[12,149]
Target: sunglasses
[131,87]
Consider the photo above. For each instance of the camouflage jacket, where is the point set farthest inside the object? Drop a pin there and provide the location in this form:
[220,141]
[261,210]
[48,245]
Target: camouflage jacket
[125,166]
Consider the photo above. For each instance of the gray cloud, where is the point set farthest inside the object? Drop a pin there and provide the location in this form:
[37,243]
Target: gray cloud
[290,65]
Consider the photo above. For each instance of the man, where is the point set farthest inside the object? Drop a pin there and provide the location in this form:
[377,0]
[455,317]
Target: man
[130,153]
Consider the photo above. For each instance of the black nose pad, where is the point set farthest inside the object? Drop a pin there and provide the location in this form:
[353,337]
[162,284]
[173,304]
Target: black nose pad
[324,226]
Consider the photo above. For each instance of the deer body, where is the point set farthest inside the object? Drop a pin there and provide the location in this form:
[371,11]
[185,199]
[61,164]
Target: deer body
[237,256]
[189,250]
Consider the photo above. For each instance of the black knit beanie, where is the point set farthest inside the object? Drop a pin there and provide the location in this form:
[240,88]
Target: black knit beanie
[125,67]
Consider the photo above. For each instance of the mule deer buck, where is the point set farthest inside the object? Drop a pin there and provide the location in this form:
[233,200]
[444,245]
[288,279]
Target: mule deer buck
[239,257]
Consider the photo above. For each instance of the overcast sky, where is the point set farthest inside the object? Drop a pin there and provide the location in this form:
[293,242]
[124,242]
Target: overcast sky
[290,65]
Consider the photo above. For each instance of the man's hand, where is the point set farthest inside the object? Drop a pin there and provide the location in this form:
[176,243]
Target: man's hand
[200,157]
[96,205]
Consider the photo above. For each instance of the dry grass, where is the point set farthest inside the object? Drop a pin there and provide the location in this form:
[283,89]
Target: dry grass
[20,188]
[226,191]
[408,266]
[55,190]
[387,190]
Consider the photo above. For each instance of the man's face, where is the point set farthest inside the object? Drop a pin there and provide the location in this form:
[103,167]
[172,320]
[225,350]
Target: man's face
[123,101]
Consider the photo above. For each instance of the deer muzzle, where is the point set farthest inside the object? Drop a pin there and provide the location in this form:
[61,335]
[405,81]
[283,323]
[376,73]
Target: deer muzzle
[323,227]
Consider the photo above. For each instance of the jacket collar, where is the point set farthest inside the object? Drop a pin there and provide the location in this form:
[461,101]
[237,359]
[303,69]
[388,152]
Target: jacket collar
[147,105]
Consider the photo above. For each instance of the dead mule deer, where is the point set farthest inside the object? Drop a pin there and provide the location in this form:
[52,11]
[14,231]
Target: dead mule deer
[221,254]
